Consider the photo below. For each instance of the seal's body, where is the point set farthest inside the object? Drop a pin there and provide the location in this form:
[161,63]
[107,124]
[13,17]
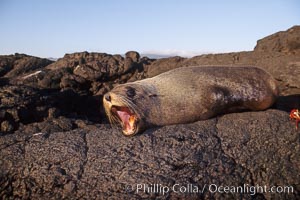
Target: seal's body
[189,94]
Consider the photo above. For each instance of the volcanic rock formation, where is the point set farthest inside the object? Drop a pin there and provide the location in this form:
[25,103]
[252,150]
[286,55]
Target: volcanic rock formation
[55,142]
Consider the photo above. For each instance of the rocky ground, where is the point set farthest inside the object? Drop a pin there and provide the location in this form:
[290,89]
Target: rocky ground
[55,142]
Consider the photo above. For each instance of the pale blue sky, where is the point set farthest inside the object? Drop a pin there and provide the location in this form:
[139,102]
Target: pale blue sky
[55,27]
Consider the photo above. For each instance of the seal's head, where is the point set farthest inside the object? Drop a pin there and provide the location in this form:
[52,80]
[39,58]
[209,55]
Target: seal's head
[124,105]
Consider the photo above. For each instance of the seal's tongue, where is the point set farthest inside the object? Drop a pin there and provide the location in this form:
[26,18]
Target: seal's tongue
[127,119]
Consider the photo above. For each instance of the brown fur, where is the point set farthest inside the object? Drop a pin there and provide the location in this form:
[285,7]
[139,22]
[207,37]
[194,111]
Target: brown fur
[185,95]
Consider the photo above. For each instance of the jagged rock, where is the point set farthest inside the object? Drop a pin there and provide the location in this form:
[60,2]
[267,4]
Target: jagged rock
[26,105]
[135,56]
[257,148]
[15,65]
[52,79]
[163,65]
[90,72]
[94,66]
[18,104]
[53,113]
[283,41]
[74,82]
[290,77]
[6,126]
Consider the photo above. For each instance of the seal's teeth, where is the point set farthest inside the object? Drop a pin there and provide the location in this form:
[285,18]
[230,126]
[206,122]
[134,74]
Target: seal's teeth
[131,120]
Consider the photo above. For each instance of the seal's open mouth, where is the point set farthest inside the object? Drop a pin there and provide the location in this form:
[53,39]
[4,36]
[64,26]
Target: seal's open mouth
[127,118]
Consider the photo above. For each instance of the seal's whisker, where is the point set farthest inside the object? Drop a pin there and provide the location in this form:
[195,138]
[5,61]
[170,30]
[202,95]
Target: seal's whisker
[130,105]
[113,119]
[115,123]
[126,102]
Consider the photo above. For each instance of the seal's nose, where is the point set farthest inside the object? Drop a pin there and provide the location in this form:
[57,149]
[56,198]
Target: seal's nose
[107,97]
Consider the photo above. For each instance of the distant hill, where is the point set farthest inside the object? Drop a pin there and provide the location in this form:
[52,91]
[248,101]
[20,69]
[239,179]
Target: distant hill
[52,59]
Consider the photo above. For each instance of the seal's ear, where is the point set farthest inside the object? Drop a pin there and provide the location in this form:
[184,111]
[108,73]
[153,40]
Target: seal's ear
[152,95]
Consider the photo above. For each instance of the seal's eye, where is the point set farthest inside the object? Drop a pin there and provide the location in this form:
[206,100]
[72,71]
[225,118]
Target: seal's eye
[130,92]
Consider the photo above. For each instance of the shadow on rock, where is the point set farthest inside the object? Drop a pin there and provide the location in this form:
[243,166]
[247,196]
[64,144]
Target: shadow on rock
[287,103]
[23,105]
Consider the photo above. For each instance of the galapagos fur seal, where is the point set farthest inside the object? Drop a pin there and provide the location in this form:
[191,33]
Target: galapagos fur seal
[188,94]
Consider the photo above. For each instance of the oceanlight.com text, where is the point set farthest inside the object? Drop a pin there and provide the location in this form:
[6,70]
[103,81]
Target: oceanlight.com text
[212,188]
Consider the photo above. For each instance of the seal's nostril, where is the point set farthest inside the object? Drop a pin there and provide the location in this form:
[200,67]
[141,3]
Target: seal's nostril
[107,97]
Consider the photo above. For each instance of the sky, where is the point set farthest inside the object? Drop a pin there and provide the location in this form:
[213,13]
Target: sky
[51,28]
